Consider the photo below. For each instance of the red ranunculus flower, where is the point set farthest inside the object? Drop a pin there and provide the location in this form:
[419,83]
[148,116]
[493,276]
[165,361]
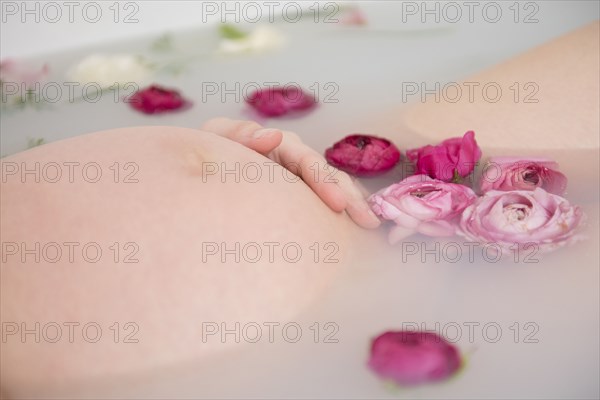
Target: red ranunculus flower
[411,357]
[453,158]
[363,155]
[278,101]
[156,99]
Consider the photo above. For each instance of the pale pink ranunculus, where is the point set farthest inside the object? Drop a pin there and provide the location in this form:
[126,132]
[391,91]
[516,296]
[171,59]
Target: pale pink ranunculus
[513,173]
[354,16]
[422,204]
[453,157]
[412,358]
[21,73]
[519,219]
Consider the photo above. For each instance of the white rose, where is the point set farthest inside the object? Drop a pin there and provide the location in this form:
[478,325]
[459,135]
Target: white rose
[106,70]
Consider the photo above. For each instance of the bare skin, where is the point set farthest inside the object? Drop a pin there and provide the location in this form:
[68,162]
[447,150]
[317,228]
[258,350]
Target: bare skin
[171,212]
[168,219]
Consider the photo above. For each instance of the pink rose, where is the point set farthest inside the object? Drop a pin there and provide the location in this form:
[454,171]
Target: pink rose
[278,101]
[156,99]
[512,173]
[410,357]
[453,158]
[363,155]
[421,204]
[513,220]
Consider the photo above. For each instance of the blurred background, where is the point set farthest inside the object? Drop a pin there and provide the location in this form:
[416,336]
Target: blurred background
[357,58]
[24,35]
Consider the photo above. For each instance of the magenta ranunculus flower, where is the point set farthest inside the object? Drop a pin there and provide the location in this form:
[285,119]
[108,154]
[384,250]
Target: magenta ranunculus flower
[156,99]
[520,219]
[449,160]
[513,173]
[421,204]
[412,357]
[278,101]
[363,155]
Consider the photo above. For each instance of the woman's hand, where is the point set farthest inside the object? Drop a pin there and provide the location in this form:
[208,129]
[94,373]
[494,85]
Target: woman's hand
[333,186]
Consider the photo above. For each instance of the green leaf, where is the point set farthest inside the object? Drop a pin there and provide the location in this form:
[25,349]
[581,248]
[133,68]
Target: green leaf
[228,31]
[31,143]
[163,43]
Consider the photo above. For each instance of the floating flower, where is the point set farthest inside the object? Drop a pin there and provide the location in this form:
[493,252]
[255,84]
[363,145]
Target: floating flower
[20,73]
[20,84]
[263,38]
[156,99]
[451,160]
[108,70]
[421,204]
[519,219]
[353,16]
[278,101]
[412,358]
[513,173]
[363,155]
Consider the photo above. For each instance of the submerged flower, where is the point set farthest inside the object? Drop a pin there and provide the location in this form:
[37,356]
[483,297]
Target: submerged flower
[263,38]
[412,357]
[363,155]
[450,160]
[513,173]
[520,219]
[155,100]
[278,101]
[421,204]
[107,70]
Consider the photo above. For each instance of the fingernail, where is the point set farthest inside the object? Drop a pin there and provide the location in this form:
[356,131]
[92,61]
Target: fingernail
[263,132]
[372,214]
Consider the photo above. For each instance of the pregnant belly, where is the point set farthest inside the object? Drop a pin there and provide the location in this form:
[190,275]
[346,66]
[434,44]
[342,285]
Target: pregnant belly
[120,248]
